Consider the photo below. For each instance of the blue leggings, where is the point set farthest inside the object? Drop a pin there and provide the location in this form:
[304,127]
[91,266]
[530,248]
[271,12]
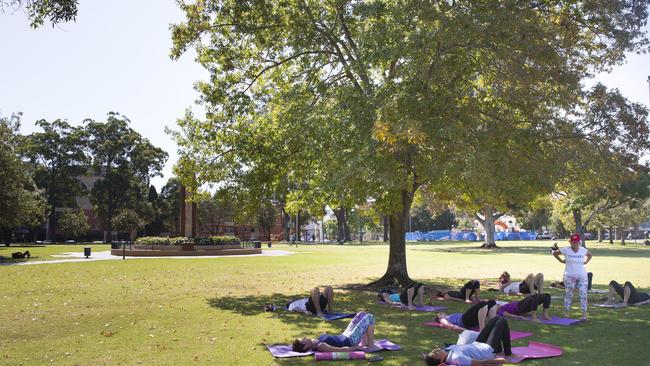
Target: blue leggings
[358,327]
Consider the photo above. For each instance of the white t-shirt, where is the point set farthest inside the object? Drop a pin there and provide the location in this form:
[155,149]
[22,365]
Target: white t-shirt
[299,305]
[512,288]
[575,262]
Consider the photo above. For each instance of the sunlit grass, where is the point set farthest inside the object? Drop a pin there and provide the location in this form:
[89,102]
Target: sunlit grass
[208,311]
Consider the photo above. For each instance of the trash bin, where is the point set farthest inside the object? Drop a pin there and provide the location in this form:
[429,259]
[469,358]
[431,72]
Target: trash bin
[87,251]
[269,244]
[257,244]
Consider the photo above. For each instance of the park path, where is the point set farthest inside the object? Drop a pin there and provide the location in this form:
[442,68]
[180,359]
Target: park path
[71,257]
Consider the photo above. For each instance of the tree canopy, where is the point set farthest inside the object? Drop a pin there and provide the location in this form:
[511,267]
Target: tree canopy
[360,99]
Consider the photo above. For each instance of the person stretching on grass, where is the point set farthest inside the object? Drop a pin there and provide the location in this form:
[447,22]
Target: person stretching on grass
[317,302]
[517,309]
[575,273]
[358,336]
[493,339]
[532,284]
[408,297]
[476,316]
[467,293]
[628,293]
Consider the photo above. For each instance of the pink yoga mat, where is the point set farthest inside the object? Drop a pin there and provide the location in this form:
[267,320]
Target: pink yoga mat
[534,350]
[514,334]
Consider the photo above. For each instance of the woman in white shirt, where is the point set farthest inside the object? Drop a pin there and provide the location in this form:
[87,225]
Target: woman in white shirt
[575,273]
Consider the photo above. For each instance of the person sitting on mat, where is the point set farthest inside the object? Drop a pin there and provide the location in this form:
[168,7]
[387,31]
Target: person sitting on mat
[476,316]
[628,293]
[493,339]
[467,293]
[409,296]
[317,302]
[532,284]
[358,336]
[516,309]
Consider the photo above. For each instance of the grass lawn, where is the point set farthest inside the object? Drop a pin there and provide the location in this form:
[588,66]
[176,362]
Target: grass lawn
[207,311]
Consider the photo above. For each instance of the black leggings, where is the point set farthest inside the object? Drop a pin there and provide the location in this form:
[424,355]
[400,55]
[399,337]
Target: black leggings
[404,297]
[634,295]
[531,302]
[470,317]
[495,334]
[472,285]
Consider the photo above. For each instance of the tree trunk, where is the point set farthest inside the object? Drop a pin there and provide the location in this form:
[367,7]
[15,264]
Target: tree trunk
[346,227]
[580,229]
[386,224]
[298,226]
[489,216]
[340,224]
[622,236]
[286,219]
[396,270]
[611,235]
[600,234]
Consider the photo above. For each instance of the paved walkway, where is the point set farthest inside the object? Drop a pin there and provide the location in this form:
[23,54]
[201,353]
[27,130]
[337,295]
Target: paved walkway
[106,256]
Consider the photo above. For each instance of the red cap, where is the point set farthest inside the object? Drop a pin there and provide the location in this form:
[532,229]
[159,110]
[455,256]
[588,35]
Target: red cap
[574,238]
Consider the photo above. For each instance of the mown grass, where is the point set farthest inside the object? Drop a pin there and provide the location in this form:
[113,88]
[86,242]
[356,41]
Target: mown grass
[208,311]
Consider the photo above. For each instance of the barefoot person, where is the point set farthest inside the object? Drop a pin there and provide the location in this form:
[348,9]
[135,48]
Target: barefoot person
[575,273]
[468,293]
[409,297]
[517,309]
[532,284]
[476,316]
[358,336]
[317,302]
[493,339]
[628,293]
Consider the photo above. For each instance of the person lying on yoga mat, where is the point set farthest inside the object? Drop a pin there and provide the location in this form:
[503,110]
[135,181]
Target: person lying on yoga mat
[532,284]
[409,297]
[467,293]
[358,336]
[476,316]
[517,309]
[628,293]
[493,339]
[316,303]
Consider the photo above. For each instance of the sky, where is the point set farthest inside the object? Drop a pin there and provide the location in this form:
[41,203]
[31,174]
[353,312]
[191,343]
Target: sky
[115,57]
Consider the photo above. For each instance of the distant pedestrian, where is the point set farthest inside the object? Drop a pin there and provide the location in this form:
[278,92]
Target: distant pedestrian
[313,238]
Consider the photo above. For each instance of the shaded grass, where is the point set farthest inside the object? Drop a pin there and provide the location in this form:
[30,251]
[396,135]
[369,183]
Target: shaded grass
[208,311]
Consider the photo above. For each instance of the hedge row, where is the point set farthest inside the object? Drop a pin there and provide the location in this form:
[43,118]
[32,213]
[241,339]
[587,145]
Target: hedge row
[180,240]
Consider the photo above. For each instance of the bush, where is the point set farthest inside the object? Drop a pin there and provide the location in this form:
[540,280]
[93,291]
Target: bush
[162,240]
[180,240]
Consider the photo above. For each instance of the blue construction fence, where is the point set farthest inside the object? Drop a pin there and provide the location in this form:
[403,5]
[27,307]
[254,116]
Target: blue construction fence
[436,235]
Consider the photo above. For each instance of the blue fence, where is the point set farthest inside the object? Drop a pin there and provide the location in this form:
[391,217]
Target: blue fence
[436,235]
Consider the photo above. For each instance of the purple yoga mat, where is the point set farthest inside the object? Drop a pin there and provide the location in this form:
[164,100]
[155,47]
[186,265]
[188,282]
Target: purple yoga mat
[427,308]
[556,320]
[514,334]
[534,350]
[284,350]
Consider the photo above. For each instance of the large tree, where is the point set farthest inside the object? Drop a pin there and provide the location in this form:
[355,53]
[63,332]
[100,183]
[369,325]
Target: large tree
[378,94]
[59,157]
[126,162]
[20,201]
[603,155]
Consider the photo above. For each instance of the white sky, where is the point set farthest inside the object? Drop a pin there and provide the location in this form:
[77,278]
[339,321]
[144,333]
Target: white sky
[115,57]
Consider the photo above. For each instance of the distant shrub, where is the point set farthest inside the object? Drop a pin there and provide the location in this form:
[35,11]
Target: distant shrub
[162,240]
[180,240]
